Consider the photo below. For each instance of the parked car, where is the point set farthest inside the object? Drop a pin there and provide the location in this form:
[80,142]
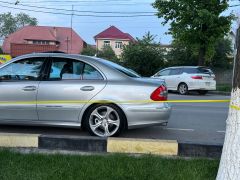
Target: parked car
[188,78]
[79,91]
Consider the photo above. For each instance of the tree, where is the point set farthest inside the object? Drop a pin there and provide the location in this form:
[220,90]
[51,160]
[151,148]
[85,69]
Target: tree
[107,53]
[23,19]
[144,56]
[10,23]
[198,24]
[222,56]
[89,51]
[181,55]
[1,51]
[230,160]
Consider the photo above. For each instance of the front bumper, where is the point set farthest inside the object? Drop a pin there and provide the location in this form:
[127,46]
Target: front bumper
[148,114]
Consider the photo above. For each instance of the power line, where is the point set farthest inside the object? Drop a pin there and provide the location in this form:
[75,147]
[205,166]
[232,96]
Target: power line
[68,10]
[82,15]
[235,5]
[47,1]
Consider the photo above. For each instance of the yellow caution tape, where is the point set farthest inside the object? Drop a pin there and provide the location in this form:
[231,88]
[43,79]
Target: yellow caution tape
[106,101]
[235,107]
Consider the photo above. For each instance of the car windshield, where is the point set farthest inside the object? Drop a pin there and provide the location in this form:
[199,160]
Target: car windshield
[203,70]
[128,72]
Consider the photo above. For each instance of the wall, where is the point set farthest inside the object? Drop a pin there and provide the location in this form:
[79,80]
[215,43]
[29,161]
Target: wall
[224,76]
[118,51]
[21,49]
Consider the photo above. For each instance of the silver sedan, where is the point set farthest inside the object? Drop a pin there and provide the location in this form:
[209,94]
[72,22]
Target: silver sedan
[100,96]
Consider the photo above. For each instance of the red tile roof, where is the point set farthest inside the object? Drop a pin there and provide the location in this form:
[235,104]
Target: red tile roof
[57,34]
[113,33]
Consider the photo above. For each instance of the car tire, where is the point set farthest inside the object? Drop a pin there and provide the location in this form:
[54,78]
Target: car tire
[183,88]
[202,92]
[104,120]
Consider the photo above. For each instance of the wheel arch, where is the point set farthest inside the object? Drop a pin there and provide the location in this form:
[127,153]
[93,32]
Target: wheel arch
[83,117]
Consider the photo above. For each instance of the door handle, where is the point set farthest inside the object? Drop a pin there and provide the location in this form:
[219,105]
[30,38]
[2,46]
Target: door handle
[87,88]
[29,88]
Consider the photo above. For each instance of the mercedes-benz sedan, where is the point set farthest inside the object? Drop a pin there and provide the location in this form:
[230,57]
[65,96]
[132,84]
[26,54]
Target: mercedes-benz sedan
[79,91]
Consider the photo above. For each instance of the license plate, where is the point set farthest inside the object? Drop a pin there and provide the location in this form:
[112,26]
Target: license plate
[207,83]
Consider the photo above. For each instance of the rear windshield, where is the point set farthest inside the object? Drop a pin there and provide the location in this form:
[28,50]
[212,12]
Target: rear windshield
[199,70]
[122,69]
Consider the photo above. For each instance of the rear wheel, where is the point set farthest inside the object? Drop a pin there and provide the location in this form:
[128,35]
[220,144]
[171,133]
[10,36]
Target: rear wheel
[104,120]
[183,88]
[202,92]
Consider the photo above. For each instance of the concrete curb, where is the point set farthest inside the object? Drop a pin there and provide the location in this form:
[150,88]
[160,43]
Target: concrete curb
[188,149]
[111,145]
[88,144]
[220,93]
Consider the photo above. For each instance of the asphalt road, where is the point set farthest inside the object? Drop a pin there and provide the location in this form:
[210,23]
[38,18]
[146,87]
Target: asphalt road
[189,122]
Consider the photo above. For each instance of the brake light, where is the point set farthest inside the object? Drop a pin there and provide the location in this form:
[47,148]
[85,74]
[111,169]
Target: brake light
[197,77]
[160,94]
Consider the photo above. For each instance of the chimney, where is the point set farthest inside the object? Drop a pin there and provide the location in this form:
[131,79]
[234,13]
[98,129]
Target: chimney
[55,32]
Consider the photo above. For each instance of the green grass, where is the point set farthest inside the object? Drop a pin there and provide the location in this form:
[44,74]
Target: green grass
[40,166]
[224,87]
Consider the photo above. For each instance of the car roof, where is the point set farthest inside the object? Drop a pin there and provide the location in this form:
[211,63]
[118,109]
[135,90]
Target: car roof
[173,67]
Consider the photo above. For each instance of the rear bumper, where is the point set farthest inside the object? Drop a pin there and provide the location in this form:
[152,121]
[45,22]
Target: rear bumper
[148,114]
[203,85]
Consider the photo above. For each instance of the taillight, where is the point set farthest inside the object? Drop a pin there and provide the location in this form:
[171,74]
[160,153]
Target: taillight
[160,94]
[197,77]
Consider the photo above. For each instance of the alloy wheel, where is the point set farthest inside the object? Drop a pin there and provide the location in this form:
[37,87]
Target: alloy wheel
[183,89]
[104,121]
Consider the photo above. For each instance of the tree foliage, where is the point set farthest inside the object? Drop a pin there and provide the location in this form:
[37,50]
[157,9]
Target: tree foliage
[223,56]
[181,55]
[197,24]
[107,53]
[1,51]
[89,51]
[10,23]
[144,56]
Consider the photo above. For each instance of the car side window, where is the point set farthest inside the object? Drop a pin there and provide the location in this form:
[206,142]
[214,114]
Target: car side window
[90,73]
[65,69]
[164,72]
[190,70]
[176,71]
[23,70]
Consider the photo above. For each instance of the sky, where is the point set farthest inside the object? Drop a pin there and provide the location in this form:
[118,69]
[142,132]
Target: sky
[89,26]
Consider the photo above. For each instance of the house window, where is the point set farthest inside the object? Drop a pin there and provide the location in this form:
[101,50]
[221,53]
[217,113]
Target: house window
[106,43]
[118,45]
[40,42]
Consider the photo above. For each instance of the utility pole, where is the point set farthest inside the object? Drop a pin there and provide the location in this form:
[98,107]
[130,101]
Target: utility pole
[71,28]
[67,44]
[230,161]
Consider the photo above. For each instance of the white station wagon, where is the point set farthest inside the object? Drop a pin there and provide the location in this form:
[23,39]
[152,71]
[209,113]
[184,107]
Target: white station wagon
[188,78]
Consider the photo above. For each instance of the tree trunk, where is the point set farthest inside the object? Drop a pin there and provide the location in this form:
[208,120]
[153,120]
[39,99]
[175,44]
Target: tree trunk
[230,161]
[201,56]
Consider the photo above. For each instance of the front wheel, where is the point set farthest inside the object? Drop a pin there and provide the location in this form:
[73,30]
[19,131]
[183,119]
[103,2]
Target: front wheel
[104,120]
[183,89]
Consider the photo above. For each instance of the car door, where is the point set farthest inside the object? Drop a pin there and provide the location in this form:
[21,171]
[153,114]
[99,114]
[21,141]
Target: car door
[174,78]
[69,85]
[19,82]
[164,74]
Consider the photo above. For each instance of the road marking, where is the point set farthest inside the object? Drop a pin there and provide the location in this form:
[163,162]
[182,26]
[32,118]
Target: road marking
[179,129]
[221,131]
